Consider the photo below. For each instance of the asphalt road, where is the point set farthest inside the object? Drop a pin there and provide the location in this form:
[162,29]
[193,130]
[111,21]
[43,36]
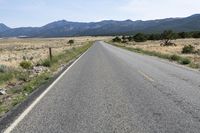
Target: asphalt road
[111,90]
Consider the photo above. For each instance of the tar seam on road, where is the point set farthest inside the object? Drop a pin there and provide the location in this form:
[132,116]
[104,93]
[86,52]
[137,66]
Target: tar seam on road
[146,76]
[22,116]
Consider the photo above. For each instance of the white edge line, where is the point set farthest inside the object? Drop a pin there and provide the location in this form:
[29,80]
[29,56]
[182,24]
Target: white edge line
[22,116]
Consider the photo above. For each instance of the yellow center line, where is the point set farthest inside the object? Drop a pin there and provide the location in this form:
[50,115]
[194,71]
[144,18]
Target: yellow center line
[146,76]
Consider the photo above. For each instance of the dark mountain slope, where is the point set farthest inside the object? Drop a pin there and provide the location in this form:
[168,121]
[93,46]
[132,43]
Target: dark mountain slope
[3,27]
[108,27]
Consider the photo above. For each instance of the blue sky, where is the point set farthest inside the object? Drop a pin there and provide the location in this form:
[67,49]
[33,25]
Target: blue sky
[17,13]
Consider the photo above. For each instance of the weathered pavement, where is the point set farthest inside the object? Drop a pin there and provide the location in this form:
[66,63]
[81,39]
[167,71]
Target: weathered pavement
[111,90]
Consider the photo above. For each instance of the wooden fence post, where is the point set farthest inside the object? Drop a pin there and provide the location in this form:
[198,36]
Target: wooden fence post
[50,53]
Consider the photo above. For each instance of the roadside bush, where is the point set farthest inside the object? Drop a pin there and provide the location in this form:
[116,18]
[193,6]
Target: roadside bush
[124,41]
[3,68]
[195,65]
[196,35]
[26,64]
[198,51]
[117,39]
[46,63]
[185,61]
[140,37]
[154,37]
[6,77]
[175,57]
[23,76]
[188,49]
[183,35]
[130,38]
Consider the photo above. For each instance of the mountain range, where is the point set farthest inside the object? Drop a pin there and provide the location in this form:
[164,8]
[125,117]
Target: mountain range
[65,28]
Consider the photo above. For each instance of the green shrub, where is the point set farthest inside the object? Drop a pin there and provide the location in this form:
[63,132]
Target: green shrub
[18,99]
[140,37]
[117,39]
[185,61]
[23,76]
[124,41]
[6,77]
[188,49]
[28,88]
[3,68]
[195,65]
[26,64]
[175,57]
[154,37]
[196,35]
[46,63]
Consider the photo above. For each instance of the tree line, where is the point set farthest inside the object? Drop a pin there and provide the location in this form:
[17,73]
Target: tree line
[166,36]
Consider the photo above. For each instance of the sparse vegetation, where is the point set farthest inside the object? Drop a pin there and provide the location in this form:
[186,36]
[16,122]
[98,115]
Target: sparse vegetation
[117,39]
[22,76]
[194,65]
[179,59]
[3,68]
[152,44]
[196,35]
[185,61]
[6,76]
[172,57]
[124,39]
[188,49]
[21,82]
[46,63]
[14,51]
[175,57]
[26,64]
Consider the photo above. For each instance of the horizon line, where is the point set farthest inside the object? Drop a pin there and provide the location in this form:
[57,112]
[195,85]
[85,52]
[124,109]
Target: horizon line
[98,21]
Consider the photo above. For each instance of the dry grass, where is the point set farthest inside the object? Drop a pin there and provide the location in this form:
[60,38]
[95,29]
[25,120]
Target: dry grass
[155,46]
[19,83]
[12,51]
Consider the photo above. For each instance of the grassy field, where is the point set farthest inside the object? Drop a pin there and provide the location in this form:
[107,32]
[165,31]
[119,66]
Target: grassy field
[173,53]
[13,51]
[20,82]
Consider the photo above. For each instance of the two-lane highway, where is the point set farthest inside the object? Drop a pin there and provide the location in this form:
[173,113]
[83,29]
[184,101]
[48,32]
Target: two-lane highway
[111,90]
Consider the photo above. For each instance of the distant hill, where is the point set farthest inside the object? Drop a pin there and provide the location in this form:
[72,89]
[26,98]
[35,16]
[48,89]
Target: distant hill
[109,27]
[3,27]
